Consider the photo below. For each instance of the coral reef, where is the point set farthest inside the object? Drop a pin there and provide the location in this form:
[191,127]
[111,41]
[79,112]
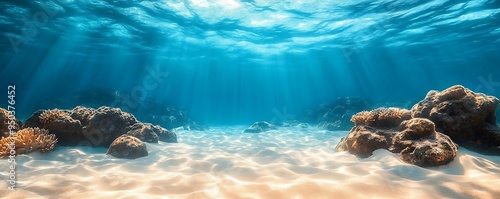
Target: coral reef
[58,122]
[28,140]
[49,116]
[5,118]
[381,117]
[258,127]
[426,135]
[468,118]
[416,140]
[127,146]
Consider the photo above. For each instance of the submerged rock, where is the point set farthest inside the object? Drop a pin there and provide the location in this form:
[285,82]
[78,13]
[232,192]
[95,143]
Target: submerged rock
[127,146]
[107,124]
[418,143]
[467,117]
[258,127]
[152,133]
[58,122]
[144,132]
[416,140]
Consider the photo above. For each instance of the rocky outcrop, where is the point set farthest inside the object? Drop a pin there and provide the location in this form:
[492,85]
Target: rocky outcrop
[128,147]
[418,143]
[149,133]
[259,127]
[468,118]
[373,130]
[416,140]
[67,130]
[108,124]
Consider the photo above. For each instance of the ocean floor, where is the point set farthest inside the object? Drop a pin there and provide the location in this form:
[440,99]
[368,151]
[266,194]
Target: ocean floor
[223,162]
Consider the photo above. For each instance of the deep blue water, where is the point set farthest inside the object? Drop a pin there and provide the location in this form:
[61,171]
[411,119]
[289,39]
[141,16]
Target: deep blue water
[238,61]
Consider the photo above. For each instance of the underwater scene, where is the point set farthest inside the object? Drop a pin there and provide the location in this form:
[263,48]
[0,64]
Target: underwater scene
[249,99]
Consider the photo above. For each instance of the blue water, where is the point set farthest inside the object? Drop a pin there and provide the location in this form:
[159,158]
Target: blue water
[239,61]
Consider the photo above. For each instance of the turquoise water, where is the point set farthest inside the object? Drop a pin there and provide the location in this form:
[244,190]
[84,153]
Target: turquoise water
[224,64]
[236,62]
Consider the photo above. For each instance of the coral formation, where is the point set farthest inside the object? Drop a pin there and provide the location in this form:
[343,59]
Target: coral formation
[28,140]
[49,116]
[127,146]
[381,117]
[416,140]
[58,122]
[5,118]
[467,117]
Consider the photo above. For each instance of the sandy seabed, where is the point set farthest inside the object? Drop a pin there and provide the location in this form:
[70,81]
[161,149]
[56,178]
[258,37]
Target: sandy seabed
[223,162]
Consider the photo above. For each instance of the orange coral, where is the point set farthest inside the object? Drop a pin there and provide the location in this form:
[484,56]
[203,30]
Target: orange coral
[28,140]
[49,116]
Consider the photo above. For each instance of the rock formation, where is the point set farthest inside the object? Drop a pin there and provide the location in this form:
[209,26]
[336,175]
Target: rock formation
[468,118]
[127,146]
[416,140]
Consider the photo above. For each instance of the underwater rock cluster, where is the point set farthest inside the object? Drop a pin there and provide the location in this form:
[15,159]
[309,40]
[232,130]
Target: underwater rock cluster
[425,135]
[148,110]
[468,118]
[98,128]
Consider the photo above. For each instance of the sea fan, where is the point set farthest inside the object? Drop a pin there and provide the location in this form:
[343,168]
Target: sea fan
[28,140]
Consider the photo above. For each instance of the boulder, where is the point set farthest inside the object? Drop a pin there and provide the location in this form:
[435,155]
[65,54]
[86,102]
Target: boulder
[128,147]
[58,122]
[258,127]
[107,124]
[468,118]
[418,143]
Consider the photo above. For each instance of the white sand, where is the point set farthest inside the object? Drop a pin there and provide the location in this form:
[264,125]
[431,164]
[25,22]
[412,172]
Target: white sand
[225,163]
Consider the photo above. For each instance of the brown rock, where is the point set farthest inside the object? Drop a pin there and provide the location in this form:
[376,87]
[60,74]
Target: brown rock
[468,118]
[418,143]
[67,130]
[127,146]
[363,140]
[144,132]
[416,140]
[107,124]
